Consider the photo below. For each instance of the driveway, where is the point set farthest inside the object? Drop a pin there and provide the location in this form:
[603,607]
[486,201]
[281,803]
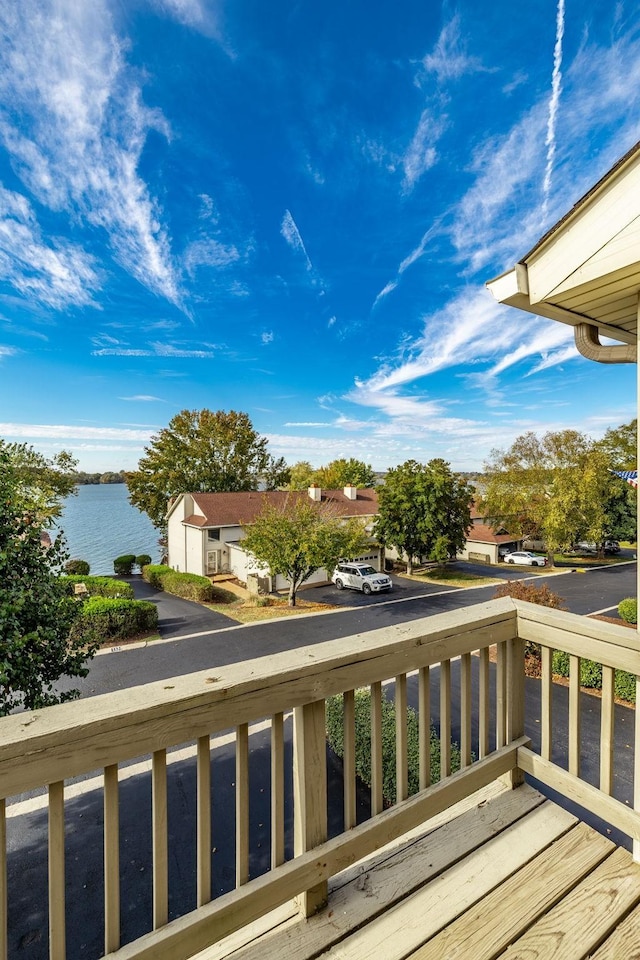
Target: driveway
[178,617]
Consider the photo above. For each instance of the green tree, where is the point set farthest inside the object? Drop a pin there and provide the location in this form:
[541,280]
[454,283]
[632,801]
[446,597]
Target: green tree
[620,444]
[423,511]
[42,483]
[299,537]
[341,473]
[551,488]
[36,614]
[301,475]
[202,451]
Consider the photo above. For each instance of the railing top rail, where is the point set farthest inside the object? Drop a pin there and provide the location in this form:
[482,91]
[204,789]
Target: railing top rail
[74,738]
[611,633]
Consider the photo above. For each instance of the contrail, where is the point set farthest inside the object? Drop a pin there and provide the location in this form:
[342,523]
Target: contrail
[554,100]
[291,234]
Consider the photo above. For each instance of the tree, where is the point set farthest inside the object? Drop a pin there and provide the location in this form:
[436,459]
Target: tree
[36,614]
[423,511]
[299,537]
[552,488]
[342,473]
[202,451]
[621,446]
[41,483]
[301,475]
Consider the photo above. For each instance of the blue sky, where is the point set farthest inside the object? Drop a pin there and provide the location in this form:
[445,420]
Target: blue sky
[291,209]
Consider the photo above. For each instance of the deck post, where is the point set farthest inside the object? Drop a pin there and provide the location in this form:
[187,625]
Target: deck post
[310,792]
[515,703]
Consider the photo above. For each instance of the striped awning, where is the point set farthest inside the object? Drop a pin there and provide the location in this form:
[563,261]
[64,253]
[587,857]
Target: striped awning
[631,476]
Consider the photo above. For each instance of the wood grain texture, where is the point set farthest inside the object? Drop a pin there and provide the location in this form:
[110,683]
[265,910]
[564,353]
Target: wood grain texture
[111,860]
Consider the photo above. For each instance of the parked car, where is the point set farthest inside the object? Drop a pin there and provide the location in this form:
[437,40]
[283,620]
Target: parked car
[360,576]
[527,558]
[586,546]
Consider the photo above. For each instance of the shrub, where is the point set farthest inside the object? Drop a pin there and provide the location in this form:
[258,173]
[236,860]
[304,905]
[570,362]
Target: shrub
[187,585]
[335,737]
[100,586]
[142,561]
[591,676]
[531,592]
[80,567]
[628,609]
[103,618]
[155,573]
[123,565]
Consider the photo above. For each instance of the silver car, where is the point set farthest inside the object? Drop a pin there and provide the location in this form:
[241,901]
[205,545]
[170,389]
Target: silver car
[360,576]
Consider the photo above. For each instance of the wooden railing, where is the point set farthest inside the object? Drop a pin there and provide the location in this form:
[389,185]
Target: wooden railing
[481,648]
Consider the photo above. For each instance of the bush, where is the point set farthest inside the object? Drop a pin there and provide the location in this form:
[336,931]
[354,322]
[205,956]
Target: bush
[155,574]
[123,565]
[520,590]
[591,676]
[100,586]
[335,737]
[187,585]
[628,609]
[80,567]
[142,561]
[103,618]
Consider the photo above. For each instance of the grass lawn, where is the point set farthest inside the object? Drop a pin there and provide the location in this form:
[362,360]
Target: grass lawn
[251,611]
[450,578]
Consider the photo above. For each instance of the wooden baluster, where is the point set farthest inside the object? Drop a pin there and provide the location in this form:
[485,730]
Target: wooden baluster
[310,792]
[402,769]
[4,948]
[242,804]
[484,704]
[203,818]
[424,727]
[111,859]
[349,759]
[277,790]
[376,748]
[160,838]
[574,715]
[57,926]
[606,729]
[465,709]
[515,702]
[546,704]
[445,719]
[501,695]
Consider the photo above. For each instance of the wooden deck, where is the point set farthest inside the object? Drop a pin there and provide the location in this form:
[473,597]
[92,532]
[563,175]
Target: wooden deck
[513,874]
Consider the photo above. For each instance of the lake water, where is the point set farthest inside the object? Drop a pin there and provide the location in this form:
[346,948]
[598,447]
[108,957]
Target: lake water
[100,524]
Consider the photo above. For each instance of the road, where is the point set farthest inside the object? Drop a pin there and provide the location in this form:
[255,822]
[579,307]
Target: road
[208,641]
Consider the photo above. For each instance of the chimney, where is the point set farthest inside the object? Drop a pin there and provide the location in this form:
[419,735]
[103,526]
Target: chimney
[315,493]
[351,492]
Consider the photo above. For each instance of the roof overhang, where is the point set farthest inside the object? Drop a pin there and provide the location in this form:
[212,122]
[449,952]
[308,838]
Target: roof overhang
[586,269]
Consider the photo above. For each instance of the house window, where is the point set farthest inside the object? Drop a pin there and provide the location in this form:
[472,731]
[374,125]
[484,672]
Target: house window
[213,534]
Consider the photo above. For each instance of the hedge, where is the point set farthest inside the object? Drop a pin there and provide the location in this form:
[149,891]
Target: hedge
[591,676]
[628,609]
[100,586]
[103,618]
[122,566]
[190,586]
[335,737]
[77,566]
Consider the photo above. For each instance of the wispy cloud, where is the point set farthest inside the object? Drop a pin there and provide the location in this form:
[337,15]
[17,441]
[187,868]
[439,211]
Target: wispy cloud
[290,232]
[302,423]
[57,274]
[75,126]
[7,351]
[209,253]
[408,261]
[421,153]
[110,347]
[267,337]
[44,431]
[449,59]
[554,101]
[143,398]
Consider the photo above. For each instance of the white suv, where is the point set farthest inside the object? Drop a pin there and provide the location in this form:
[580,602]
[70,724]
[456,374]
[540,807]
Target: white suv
[360,576]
